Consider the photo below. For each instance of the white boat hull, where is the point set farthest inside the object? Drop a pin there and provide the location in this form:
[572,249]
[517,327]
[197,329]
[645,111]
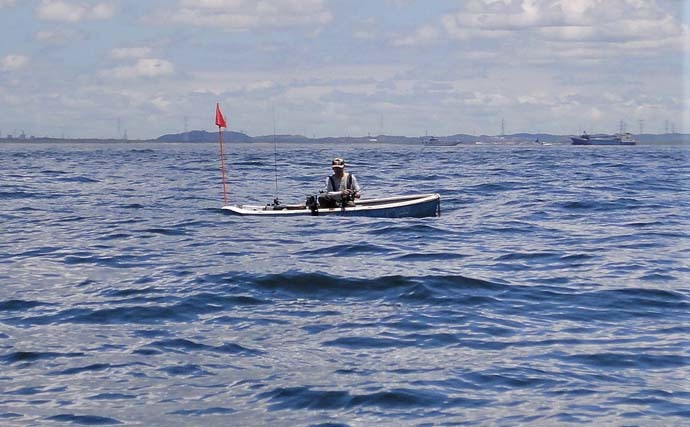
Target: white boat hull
[417,206]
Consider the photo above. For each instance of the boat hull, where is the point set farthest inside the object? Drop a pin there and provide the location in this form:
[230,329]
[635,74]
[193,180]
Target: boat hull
[415,206]
[618,139]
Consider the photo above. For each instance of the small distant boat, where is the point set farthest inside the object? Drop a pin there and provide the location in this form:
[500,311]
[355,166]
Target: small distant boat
[435,142]
[415,206]
[604,139]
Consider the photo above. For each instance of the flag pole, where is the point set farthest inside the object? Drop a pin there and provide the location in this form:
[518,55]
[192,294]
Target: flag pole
[220,122]
[222,165]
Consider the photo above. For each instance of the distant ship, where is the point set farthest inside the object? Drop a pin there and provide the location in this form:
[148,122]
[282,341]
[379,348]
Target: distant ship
[603,139]
[435,142]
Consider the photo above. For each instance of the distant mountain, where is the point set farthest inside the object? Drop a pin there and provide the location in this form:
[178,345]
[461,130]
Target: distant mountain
[203,136]
[230,136]
[541,137]
[281,138]
[239,137]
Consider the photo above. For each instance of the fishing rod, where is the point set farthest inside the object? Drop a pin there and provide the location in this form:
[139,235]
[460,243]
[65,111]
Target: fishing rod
[275,157]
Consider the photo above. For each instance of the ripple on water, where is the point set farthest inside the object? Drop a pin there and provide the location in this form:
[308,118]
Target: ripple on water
[552,290]
[93,420]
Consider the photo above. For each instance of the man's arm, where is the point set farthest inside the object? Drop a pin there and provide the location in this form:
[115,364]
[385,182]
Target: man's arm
[355,187]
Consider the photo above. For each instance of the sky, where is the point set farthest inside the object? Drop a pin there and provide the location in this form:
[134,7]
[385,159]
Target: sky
[100,69]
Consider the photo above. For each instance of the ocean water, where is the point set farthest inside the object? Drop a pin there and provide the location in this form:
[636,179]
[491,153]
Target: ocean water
[553,290]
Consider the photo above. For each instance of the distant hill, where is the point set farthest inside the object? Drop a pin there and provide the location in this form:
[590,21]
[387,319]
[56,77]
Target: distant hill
[461,138]
[281,138]
[203,136]
[669,138]
[239,137]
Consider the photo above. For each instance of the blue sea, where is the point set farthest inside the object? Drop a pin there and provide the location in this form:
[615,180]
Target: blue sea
[554,290]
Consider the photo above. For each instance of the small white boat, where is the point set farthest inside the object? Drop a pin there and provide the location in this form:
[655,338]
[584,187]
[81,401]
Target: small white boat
[416,206]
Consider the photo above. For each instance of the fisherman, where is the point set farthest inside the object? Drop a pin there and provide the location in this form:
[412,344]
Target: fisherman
[341,187]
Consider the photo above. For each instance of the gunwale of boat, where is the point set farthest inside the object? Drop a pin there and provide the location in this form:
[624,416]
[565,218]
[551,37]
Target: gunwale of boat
[362,205]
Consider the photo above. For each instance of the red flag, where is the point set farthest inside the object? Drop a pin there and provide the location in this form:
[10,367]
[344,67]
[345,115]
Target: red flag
[220,120]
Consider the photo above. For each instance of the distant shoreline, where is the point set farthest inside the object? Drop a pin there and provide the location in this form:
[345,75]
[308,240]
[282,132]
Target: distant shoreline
[229,137]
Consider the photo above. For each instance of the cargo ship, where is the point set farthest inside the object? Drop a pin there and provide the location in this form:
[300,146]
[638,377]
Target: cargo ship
[603,139]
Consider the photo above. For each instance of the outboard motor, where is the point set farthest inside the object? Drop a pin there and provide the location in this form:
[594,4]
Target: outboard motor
[312,204]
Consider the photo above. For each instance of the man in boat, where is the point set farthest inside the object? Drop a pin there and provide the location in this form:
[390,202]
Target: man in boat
[341,187]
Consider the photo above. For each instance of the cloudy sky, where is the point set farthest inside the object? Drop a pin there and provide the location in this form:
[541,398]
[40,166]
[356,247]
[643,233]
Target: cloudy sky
[79,68]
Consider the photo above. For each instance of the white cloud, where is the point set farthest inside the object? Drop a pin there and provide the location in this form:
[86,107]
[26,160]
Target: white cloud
[130,52]
[494,17]
[595,114]
[366,29]
[543,65]
[65,11]
[59,36]
[490,100]
[161,103]
[584,21]
[260,85]
[239,15]
[13,62]
[144,67]
[101,11]
[422,36]
[232,80]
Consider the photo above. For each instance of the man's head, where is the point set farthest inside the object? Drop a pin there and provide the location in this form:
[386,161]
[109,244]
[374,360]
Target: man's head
[338,165]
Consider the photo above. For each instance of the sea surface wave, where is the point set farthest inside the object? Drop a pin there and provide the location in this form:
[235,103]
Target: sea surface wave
[553,290]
